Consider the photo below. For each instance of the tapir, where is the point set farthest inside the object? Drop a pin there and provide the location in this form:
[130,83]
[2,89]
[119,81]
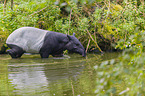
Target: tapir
[34,40]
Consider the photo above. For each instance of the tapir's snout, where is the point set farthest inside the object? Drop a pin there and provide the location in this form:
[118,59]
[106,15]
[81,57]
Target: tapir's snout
[84,54]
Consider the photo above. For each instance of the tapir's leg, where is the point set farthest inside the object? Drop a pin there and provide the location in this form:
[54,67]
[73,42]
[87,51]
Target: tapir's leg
[58,55]
[11,53]
[47,46]
[45,51]
[44,54]
[15,51]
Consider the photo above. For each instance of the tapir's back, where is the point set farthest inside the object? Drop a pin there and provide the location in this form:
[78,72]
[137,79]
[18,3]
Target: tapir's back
[30,39]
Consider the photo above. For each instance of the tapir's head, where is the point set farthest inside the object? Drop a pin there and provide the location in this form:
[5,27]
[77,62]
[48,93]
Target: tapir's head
[75,46]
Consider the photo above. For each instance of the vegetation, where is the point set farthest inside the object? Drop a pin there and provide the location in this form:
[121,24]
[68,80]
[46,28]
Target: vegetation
[5,85]
[96,23]
[105,24]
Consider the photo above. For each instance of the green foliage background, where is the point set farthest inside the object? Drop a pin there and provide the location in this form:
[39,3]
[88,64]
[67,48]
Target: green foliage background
[107,21]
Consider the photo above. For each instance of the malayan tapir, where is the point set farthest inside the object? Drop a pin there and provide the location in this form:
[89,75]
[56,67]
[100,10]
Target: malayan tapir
[34,40]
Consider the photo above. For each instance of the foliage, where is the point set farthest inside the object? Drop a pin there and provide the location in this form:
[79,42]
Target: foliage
[106,21]
[125,75]
[5,85]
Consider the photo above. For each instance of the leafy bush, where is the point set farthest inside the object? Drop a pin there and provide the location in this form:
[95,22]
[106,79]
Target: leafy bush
[107,22]
[125,75]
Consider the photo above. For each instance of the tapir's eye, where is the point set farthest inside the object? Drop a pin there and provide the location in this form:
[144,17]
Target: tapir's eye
[77,44]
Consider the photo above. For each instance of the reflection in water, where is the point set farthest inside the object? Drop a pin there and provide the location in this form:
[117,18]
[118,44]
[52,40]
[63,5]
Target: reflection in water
[61,71]
[39,76]
[26,77]
[33,76]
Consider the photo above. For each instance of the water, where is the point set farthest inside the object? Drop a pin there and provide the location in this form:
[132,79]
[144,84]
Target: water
[30,75]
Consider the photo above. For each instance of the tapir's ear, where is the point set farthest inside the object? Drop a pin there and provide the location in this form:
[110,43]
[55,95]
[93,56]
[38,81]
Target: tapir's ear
[73,34]
[69,37]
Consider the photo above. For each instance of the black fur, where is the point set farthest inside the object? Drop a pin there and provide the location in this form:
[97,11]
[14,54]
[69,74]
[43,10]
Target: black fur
[54,44]
[15,51]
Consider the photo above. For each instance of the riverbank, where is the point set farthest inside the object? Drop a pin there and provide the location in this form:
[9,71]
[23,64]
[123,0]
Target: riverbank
[107,25]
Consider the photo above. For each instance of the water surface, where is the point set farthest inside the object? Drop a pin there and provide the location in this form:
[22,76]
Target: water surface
[30,75]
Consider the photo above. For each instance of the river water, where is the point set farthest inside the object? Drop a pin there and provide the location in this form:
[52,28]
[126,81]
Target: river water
[71,75]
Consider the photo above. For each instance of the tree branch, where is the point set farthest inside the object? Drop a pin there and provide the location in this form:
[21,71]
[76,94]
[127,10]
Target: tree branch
[38,11]
[5,2]
[95,42]
[88,45]
[12,4]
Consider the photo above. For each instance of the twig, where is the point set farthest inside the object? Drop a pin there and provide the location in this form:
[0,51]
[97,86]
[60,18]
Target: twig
[88,45]
[12,1]
[5,2]
[107,7]
[95,42]
[143,10]
[72,88]
[38,11]
[69,20]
